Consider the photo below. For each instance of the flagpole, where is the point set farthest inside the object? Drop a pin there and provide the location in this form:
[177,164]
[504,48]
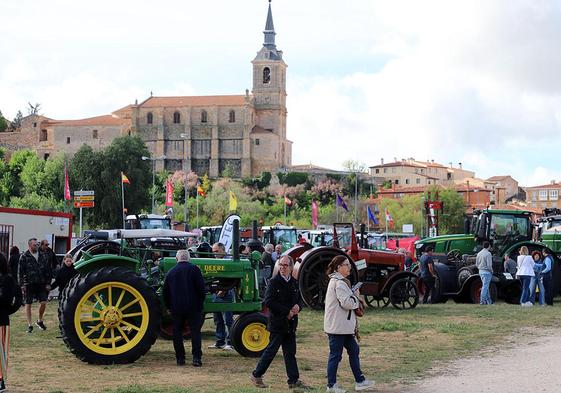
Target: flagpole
[285,210]
[386,226]
[123,199]
[197,199]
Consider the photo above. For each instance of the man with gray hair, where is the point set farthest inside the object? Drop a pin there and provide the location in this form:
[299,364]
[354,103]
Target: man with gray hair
[184,295]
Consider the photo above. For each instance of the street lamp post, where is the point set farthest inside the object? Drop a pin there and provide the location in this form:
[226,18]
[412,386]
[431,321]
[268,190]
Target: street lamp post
[153,159]
[186,190]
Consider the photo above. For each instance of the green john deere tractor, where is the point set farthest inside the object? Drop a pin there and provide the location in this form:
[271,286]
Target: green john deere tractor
[454,255]
[112,311]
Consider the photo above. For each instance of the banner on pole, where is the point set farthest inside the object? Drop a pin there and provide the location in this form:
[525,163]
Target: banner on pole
[169,193]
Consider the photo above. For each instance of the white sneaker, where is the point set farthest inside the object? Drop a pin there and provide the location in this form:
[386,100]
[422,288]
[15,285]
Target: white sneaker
[228,347]
[336,389]
[216,346]
[364,385]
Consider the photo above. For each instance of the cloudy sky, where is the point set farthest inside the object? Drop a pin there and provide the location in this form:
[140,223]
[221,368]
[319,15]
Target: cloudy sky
[475,82]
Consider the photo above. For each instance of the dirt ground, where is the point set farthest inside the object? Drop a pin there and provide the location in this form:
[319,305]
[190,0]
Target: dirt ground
[528,363]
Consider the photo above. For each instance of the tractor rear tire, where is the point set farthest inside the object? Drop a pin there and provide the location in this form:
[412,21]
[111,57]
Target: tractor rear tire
[109,316]
[249,334]
[380,301]
[312,277]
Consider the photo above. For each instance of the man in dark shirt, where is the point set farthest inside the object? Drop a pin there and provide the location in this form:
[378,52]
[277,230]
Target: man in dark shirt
[35,275]
[428,274]
[283,300]
[49,254]
[184,295]
[510,265]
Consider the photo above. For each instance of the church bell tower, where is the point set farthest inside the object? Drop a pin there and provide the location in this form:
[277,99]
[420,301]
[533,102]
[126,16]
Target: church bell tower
[269,83]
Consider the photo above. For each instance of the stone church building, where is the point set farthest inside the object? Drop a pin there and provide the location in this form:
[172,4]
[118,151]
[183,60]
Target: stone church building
[244,134]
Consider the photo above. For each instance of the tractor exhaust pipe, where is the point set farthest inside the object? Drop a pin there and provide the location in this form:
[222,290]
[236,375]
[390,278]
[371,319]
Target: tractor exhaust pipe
[254,244]
[362,235]
[236,241]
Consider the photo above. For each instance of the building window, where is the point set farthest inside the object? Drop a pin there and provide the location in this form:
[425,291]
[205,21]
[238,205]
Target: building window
[94,134]
[176,118]
[266,75]
[232,117]
[149,118]
[385,170]
[543,195]
[257,142]
[204,116]
[34,125]
[418,181]
[449,176]
[396,181]
[46,156]
[67,140]
[43,136]
[553,195]
[377,171]
[406,181]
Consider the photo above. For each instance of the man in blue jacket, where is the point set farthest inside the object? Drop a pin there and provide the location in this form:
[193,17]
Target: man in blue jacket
[184,295]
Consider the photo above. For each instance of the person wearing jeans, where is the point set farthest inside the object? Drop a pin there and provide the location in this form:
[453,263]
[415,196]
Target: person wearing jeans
[484,262]
[537,281]
[340,324]
[525,272]
[223,321]
[546,276]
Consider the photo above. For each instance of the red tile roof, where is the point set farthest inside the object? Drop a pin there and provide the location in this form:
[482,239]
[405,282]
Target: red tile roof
[105,120]
[154,102]
[550,185]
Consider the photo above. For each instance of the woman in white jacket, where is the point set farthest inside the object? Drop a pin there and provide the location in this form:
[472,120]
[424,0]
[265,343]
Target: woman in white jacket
[525,272]
[339,323]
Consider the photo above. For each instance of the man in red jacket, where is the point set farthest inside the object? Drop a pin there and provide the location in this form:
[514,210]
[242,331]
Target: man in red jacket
[184,295]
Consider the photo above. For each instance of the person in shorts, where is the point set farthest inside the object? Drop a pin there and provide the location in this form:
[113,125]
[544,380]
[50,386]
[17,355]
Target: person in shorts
[35,275]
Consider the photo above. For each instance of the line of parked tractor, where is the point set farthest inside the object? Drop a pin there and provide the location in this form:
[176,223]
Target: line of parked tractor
[112,311]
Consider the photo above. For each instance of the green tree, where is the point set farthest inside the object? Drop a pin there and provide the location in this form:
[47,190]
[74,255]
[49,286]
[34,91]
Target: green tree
[16,123]
[3,123]
[100,171]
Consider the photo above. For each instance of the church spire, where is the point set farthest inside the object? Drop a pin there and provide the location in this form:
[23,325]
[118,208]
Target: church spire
[269,31]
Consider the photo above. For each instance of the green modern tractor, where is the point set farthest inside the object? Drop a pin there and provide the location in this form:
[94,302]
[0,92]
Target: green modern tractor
[112,311]
[457,276]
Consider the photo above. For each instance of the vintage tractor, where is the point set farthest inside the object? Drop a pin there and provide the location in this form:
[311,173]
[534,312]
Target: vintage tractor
[112,311]
[382,274]
[457,276]
[284,235]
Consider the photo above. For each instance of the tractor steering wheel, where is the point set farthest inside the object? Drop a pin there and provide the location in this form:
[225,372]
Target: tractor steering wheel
[453,255]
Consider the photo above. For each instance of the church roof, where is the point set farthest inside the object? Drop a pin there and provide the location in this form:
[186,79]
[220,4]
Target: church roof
[105,120]
[260,130]
[155,102]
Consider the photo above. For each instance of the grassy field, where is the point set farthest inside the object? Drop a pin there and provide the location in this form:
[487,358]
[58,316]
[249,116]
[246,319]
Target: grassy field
[396,348]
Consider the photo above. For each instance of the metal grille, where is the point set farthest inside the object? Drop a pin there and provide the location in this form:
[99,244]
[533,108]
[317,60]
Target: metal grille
[6,238]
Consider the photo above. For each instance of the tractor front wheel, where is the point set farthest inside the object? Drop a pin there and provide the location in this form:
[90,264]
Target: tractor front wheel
[403,293]
[249,334]
[109,316]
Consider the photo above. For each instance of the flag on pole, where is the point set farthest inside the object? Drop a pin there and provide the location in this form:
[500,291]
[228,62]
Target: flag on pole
[341,202]
[169,193]
[67,196]
[125,179]
[287,201]
[389,218]
[371,216]
[233,201]
[200,191]
[314,214]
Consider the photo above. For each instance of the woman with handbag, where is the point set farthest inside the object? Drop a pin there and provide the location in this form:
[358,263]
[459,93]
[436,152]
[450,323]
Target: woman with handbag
[10,302]
[340,324]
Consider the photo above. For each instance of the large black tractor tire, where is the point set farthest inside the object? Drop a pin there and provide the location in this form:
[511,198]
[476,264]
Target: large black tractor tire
[100,248]
[379,301]
[249,334]
[475,291]
[312,276]
[109,316]
[404,294]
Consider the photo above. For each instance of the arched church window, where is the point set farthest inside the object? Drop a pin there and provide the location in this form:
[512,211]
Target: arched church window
[176,118]
[149,118]
[266,75]
[204,116]
[232,118]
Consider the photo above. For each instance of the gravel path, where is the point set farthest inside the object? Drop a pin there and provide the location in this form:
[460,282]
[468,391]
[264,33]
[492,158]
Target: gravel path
[530,366]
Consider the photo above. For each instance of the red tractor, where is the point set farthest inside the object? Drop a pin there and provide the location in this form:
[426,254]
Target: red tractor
[381,272]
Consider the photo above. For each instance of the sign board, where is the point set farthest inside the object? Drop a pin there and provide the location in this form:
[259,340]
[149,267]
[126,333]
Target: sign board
[227,234]
[360,264]
[84,198]
[84,204]
[407,228]
[84,193]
